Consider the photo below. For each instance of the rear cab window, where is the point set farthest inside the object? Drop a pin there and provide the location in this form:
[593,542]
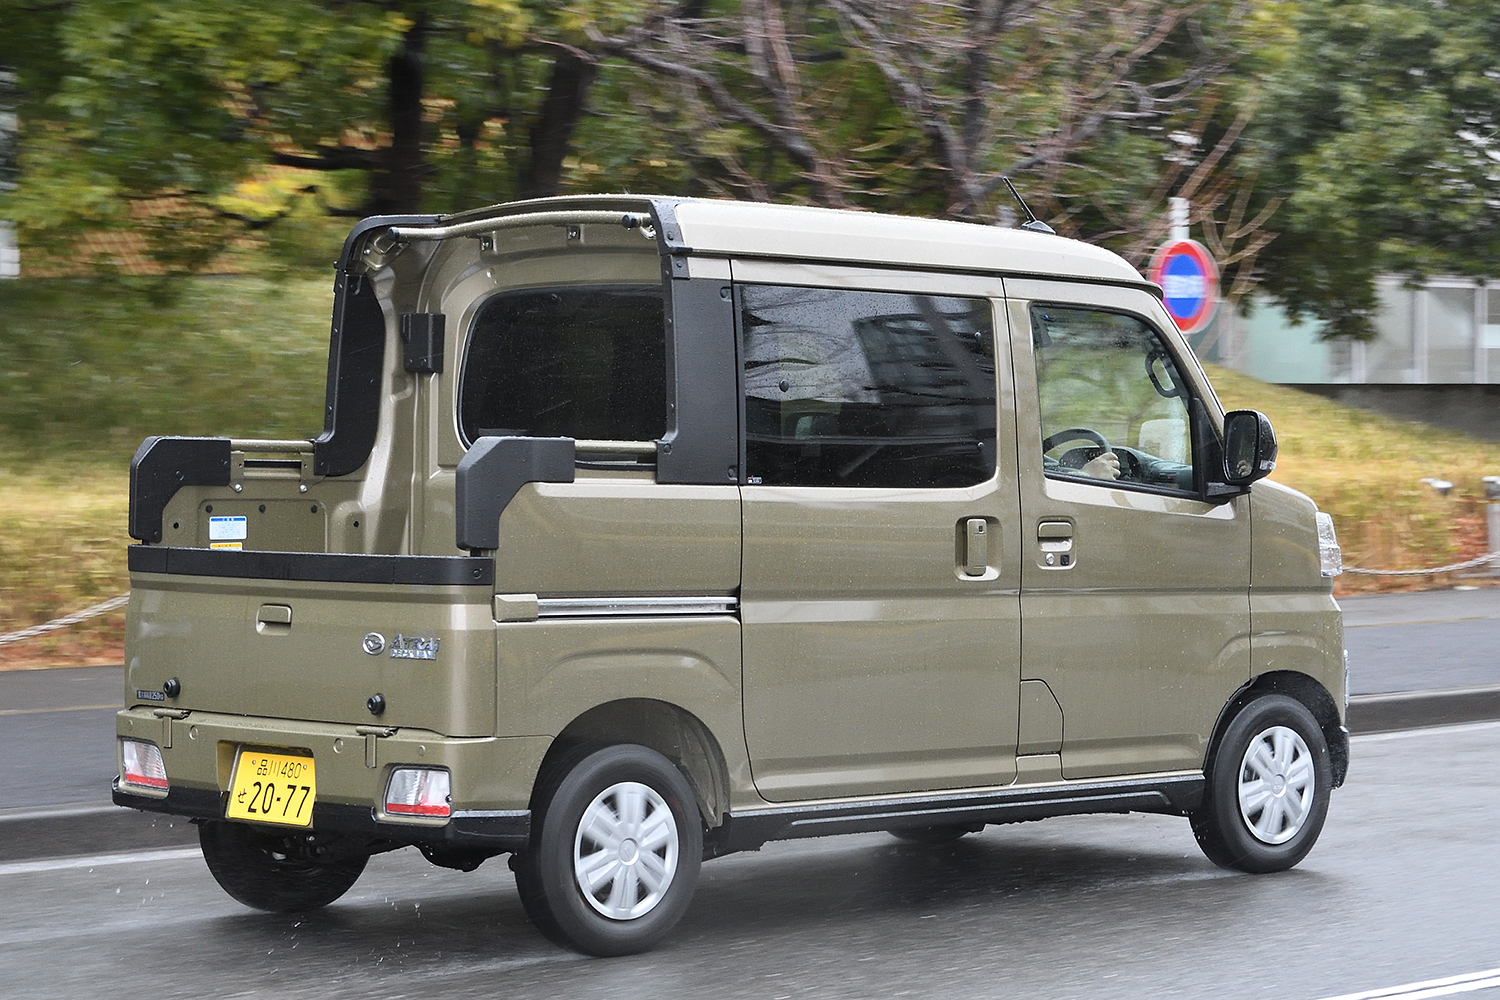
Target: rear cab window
[582,362]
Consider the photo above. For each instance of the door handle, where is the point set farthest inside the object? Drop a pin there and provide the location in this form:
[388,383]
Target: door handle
[1048,531]
[1055,539]
[273,619]
[976,546]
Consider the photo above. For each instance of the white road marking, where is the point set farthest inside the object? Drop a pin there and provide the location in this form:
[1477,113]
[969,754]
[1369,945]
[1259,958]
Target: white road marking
[98,861]
[76,809]
[1488,979]
[65,708]
[1424,621]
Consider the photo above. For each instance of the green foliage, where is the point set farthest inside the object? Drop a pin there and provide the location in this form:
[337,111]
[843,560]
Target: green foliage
[1379,127]
[93,365]
[163,119]
[127,103]
[90,367]
[217,127]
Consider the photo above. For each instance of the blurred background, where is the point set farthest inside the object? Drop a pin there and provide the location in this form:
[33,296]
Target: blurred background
[176,179]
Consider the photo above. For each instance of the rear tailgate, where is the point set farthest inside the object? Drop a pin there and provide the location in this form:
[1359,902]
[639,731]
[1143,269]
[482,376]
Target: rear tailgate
[240,637]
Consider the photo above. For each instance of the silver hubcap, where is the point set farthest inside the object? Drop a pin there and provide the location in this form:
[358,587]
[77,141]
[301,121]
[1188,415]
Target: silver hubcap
[625,853]
[1276,785]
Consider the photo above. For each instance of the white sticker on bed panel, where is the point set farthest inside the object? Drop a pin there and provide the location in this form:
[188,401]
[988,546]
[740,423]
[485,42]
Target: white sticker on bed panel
[225,529]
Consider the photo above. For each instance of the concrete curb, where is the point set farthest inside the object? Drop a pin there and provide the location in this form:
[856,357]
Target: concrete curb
[62,831]
[1384,713]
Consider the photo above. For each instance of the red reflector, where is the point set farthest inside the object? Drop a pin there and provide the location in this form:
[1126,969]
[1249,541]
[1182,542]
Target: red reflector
[419,809]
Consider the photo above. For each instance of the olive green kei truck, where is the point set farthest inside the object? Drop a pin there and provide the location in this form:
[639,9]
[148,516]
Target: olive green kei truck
[645,530]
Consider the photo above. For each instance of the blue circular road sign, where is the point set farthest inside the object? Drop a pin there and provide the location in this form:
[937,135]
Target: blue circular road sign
[1190,282]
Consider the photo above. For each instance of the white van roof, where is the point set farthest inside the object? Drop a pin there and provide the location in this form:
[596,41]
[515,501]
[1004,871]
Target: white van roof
[708,227]
[749,229]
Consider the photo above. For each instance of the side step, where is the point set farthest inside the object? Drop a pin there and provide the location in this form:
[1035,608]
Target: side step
[1175,794]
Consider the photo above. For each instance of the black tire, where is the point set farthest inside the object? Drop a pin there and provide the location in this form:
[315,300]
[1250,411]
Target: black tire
[945,834]
[640,894]
[1286,782]
[275,871]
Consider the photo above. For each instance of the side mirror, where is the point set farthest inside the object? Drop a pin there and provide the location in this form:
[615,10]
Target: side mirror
[1249,447]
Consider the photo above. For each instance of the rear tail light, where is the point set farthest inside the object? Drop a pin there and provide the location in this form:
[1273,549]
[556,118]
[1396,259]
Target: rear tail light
[418,791]
[141,764]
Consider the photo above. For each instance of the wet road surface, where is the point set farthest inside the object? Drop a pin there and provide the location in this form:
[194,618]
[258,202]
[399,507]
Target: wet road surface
[1402,888]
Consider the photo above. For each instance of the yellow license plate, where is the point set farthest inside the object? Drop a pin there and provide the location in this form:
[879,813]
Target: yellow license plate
[272,787]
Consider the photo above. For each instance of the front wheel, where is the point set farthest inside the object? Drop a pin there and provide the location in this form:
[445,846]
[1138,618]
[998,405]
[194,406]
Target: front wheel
[275,871]
[614,857]
[1269,780]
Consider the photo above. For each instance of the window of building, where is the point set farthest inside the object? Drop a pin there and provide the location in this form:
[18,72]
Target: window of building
[586,363]
[1490,334]
[1450,334]
[1114,406]
[863,388]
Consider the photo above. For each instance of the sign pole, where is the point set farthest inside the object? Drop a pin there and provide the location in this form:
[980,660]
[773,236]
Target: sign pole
[1178,210]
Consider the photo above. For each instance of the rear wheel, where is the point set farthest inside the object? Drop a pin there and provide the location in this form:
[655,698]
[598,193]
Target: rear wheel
[280,872]
[614,853]
[1268,786]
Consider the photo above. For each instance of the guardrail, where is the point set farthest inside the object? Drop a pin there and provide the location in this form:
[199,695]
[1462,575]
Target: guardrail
[1450,568]
[66,620]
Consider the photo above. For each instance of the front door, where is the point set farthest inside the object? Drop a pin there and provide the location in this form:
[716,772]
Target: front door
[879,587]
[1134,590]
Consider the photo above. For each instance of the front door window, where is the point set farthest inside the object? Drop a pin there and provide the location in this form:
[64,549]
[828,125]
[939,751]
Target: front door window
[1113,404]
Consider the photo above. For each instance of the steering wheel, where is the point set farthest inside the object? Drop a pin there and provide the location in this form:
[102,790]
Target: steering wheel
[1075,434]
[1075,458]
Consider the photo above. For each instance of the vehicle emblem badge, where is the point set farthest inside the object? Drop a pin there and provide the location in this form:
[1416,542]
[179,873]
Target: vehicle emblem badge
[414,647]
[374,643]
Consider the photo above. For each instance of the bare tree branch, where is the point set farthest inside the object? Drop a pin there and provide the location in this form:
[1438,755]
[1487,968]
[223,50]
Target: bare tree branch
[789,132]
[331,158]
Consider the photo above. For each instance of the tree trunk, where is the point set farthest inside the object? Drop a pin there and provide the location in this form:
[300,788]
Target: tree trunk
[552,128]
[397,188]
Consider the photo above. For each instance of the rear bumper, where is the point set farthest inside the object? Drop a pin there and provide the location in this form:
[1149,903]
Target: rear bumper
[493,832]
[491,778]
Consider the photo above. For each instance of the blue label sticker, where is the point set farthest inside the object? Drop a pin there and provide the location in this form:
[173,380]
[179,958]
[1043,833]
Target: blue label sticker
[227,529]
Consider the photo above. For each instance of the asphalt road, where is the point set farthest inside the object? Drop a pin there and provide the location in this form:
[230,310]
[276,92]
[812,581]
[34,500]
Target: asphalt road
[1400,889]
[1424,641]
[57,735]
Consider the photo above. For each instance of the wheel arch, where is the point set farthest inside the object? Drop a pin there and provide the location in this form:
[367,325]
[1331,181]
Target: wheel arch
[1311,694]
[669,729]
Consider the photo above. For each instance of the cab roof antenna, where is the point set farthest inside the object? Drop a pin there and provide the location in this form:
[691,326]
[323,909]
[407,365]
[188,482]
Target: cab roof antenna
[1032,223]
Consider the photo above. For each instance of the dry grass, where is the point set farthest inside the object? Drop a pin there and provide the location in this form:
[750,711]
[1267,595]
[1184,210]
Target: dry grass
[62,549]
[1367,471]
